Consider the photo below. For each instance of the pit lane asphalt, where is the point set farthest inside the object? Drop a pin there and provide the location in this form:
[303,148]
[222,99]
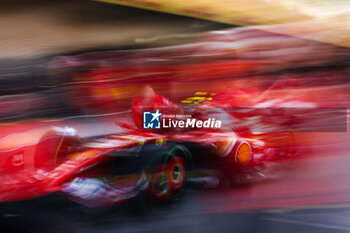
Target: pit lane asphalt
[320,220]
[190,217]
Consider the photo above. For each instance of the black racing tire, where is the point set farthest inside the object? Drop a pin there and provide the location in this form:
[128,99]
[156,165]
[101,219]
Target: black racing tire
[167,168]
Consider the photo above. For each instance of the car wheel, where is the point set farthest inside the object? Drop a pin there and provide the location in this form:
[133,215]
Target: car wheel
[165,169]
[168,179]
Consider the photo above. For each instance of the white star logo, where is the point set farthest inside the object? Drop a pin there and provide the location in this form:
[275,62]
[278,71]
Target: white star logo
[156,115]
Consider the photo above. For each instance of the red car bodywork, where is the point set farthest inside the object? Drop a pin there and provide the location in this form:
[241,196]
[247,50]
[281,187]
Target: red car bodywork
[79,176]
[28,151]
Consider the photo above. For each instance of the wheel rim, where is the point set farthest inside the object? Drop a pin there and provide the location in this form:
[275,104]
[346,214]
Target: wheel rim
[177,173]
[160,185]
[169,179]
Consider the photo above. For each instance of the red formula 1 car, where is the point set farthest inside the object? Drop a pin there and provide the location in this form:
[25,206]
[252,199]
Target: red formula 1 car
[144,162]
[121,167]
